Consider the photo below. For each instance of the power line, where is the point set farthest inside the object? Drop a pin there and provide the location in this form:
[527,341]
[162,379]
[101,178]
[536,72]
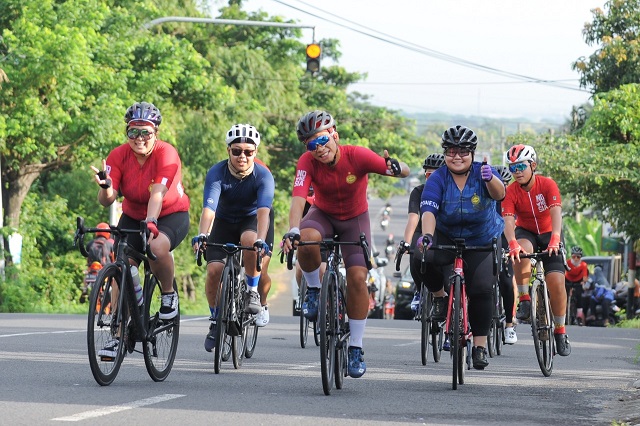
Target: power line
[386,38]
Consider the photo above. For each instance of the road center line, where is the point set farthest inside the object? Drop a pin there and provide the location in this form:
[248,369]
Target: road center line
[117,408]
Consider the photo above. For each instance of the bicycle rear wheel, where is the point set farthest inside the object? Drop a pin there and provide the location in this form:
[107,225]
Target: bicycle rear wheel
[161,345]
[304,322]
[105,324]
[456,347]
[226,349]
[223,318]
[500,327]
[425,320]
[542,327]
[327,324]
[437,339]
[250,337]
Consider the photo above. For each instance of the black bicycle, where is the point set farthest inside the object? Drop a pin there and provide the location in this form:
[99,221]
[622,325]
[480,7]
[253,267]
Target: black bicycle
[495,339]
[115,317]
[432,331]
[305,323]
[332,324]
[236,330]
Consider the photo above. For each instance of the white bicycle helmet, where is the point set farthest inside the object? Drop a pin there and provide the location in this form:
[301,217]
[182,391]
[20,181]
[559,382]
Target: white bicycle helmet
[520,153]
[243,133]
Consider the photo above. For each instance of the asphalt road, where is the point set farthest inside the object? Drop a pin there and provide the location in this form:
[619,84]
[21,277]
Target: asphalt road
[45,377]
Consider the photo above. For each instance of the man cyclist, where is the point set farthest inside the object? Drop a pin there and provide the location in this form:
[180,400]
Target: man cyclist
[532,211]
[339,174]
[459,201]
[575,278]
[505,278]
[148,173]
[413,230]
[237,200]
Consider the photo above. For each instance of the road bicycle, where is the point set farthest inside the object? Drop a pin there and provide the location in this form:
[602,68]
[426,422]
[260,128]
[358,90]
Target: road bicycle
[236,330]
[457,320]
[495,339]
[332,324]
[115,314]
[542,325]
[432,330]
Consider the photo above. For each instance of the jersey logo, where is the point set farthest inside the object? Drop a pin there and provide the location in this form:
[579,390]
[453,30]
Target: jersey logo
[351,178]
[541,203]
[300,178]
[475,200]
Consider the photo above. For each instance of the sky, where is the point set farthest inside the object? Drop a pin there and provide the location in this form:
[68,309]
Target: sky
[535,40]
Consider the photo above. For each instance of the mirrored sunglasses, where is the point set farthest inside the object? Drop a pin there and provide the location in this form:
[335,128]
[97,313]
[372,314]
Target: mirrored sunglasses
[135,133]
[452,152]
[237,152]
[321,140]
[520,167]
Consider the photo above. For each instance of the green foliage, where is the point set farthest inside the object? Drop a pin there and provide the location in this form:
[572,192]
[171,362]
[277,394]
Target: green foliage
[617,60]
[583,232]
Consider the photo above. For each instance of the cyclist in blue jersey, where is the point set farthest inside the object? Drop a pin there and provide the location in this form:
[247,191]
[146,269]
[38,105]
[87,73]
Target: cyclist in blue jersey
[238,194]
[459,201]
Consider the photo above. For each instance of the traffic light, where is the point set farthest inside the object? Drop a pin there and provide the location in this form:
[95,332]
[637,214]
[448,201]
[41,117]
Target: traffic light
[313,58]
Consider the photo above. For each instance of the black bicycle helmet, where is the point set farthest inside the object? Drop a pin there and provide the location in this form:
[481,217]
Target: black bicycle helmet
[459,136]
[433,161]
[576,250]
[312,123]
[505,174]
[143,111]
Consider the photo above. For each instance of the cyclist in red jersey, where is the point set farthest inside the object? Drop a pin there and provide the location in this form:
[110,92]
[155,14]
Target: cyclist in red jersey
[575,278]
[148,173]
[339,174]
[532,211]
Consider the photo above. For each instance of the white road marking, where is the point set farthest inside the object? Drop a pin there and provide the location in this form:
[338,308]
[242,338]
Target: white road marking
[117,408]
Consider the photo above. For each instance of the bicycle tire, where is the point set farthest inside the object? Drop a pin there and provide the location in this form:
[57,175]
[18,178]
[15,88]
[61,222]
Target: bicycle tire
[250,336]
[342,345]
[304,321]
[425,320]
[102,326]
[223,313]
[456,347]
[226,350]
[542,327]
[491,338]
[237,351]
[161,343]
[437,339]
[327,323]
[501,326]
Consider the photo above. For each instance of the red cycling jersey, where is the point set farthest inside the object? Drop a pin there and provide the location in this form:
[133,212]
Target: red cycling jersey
[531,209]
[576,273]
[134,181]
[341,190]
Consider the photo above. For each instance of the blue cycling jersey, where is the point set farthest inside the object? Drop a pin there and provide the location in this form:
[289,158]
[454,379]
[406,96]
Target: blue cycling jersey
[235,199]
[470,214]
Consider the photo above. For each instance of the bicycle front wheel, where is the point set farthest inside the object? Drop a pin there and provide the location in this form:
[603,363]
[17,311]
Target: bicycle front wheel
[223,318]
[542,327]
[456,338]
[425,320]
[327,329]
[105,325]
[250,336]
[161,344]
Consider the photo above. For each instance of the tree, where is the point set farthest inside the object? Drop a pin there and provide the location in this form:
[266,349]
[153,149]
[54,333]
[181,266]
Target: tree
[617,61]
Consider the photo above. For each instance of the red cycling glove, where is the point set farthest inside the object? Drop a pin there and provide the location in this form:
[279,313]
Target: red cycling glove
[514,249]
[153,228]
[554,243]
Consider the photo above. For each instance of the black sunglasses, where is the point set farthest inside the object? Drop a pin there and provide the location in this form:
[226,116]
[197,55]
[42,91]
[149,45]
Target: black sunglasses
[237,152]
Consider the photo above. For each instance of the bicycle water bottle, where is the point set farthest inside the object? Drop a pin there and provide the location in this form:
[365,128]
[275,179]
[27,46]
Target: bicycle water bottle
[135,275]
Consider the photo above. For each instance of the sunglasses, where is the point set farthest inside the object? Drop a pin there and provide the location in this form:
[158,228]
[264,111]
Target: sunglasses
[237,152]
[520,167]
[452,152]
[135,133]
[321,140]
[576,256]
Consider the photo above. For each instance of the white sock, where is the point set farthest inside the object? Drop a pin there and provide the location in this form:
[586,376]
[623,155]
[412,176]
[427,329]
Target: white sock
[313,278]
[357,332]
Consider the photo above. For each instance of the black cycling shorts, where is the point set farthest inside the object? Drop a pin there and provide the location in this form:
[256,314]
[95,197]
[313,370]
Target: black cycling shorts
[540,242]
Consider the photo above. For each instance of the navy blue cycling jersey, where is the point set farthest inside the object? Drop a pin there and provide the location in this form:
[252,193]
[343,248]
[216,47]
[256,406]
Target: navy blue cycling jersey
[233,199]
[470,214]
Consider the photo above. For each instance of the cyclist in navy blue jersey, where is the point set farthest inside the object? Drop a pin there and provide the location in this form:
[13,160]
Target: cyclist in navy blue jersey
[238,195]
[459,201]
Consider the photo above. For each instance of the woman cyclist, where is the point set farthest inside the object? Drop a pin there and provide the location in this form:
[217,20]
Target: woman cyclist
[148,173]
[459,201]
[575,278]
[532,212]
[413,230]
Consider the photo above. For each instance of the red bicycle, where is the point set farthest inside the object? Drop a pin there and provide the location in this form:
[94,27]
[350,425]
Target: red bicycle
[457,322]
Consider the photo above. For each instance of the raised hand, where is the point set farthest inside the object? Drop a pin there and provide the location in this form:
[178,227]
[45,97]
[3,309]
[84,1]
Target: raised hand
[102,176]
[485,170]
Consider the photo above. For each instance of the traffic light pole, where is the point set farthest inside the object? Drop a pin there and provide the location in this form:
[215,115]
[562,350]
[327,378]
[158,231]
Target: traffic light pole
[164,19]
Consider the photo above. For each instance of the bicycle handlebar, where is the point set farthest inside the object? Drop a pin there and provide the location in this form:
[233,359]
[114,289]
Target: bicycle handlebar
[329,244]
[78,238]
[230,249]
[460,247]
[538,255]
